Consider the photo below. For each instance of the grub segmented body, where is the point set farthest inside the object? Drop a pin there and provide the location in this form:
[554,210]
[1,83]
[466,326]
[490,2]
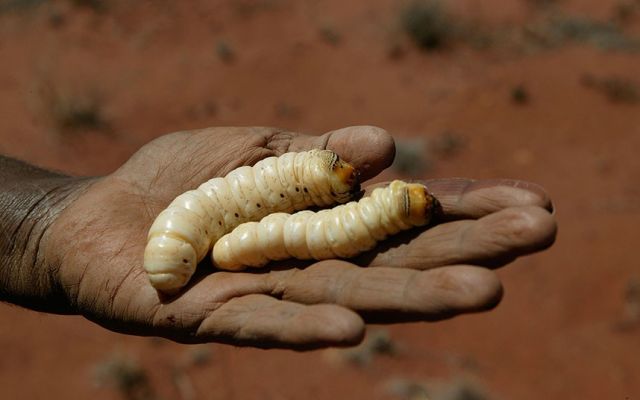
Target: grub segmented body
[182,234]
[341,232]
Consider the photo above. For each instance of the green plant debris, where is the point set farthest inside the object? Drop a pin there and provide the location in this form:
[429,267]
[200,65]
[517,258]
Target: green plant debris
[412,157]
[560,29]
[630,319]
[625,11]
[330,35]
[183,384]
[396,51]
[79,113]
[95,5]
[200,355]
[72,111]
[406,389]
[286,110]
[427,24]
[447,144]
[19,5]
[543,3]
[126,376]
[431,27]
[520,95]
[377,342]
[249,8]
[456,388]
[225,52]
[617,89]
[632,301]
[417,156]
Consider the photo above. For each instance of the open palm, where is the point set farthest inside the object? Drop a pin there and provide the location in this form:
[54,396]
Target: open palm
[95,249]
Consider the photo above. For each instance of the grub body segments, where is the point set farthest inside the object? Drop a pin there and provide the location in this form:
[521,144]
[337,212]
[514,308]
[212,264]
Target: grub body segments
[183,233]
[341,232]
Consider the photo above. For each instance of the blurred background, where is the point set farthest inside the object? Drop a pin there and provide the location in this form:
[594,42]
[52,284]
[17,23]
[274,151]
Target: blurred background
[540,90]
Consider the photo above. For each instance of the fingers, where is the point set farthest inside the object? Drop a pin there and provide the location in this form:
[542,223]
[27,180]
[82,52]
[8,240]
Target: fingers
[369,149]
[263,321]
[216,151]
[386,295]
[236,308]
[181,161]
[467,198]
[492,240]
[321,305]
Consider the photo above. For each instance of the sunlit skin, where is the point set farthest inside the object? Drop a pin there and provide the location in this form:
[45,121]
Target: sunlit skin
[91,254]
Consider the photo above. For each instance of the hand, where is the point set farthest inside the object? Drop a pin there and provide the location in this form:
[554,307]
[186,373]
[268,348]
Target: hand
[94,249]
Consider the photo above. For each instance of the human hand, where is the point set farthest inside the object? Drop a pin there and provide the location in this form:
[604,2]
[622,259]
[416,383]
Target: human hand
[94,250]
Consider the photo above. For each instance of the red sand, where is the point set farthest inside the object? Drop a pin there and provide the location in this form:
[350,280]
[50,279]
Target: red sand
[156,69]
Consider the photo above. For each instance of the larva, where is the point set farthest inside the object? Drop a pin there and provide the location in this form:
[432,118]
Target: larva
[184,232]
[340,232]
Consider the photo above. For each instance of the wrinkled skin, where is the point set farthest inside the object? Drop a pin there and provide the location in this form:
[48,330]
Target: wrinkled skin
[95,249]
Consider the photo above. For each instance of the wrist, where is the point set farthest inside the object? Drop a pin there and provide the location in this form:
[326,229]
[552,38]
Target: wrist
[28,207]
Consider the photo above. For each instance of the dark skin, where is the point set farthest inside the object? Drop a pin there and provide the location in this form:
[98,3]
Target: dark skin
[76,247]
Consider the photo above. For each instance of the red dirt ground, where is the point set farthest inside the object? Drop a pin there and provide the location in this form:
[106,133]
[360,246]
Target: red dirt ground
[156,68]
